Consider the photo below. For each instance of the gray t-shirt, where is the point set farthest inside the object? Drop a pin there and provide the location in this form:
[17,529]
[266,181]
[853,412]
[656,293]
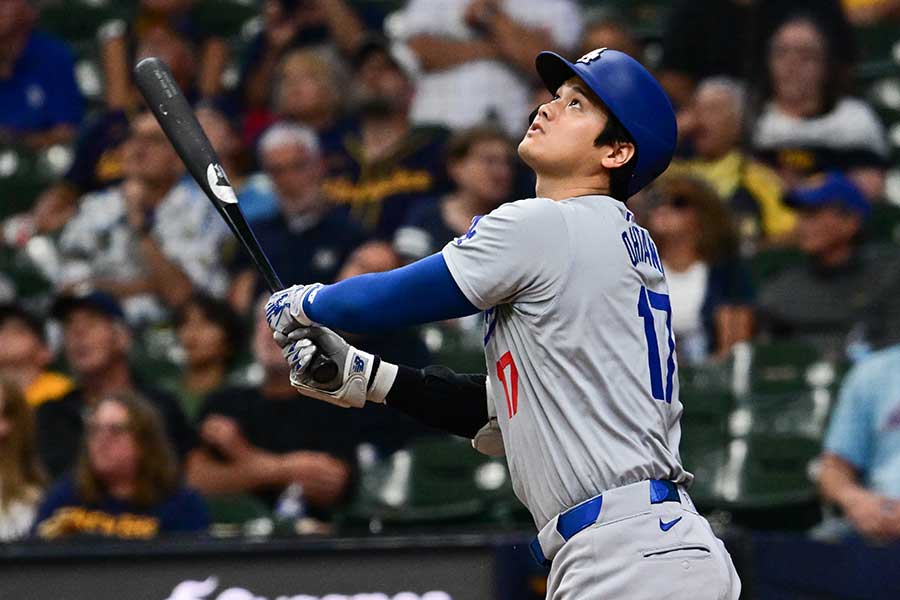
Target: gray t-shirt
[580,357]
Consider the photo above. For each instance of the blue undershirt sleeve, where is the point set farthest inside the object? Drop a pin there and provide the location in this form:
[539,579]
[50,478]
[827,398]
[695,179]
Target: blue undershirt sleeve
[421,292]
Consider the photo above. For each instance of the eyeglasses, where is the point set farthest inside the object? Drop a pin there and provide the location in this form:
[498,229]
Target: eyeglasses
[112,429]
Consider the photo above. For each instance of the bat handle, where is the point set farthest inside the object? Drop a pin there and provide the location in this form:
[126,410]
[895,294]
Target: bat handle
[323,369]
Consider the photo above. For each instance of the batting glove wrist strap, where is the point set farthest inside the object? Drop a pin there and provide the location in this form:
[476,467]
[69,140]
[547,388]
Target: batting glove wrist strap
[361,376]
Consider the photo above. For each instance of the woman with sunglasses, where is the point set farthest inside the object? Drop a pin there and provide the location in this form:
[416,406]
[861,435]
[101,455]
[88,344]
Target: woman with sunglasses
[126,484]
[709,287]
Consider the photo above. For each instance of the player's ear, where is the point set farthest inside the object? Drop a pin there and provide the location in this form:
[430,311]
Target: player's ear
[618,155]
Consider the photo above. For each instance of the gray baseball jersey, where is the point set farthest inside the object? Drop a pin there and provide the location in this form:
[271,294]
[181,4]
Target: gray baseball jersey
[579,348]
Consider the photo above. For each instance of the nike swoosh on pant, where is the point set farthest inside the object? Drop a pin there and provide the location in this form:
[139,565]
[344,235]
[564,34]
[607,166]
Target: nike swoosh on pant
[669,525]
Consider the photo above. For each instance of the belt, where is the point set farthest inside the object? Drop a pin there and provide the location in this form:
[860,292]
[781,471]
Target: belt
[628,500]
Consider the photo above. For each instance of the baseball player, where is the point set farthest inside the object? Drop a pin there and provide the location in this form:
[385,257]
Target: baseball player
[581,391]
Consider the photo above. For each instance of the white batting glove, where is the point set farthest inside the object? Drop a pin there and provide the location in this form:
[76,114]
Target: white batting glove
[361,376]
[284,310]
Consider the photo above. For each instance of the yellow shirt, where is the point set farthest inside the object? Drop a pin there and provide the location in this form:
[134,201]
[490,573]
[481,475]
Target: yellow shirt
[48,386]
[733,171]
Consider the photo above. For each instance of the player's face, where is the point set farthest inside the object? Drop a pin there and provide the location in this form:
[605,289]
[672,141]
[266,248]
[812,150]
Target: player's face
[560,141]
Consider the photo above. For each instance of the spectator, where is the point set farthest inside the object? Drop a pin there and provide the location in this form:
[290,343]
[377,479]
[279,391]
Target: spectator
[859,466]
[97,341]
[150,240]
[844,293]
[752,191]
[605,28]
[306,91]
[474,55]
[307,239]
[390,164]
[40,103]
[162,21]
[808,125]
[325,25]
[261,439]
[99,148]
[211,335]
[127,483]
[21,476]
[709,287]
[705,38]
[479,164]
[25,357]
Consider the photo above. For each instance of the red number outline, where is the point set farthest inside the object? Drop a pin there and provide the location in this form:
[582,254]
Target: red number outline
[512,388]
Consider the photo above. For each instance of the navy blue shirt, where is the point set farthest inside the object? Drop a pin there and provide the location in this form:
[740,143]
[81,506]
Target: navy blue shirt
[42,91]
[308,255]
[380,194]
[62,512]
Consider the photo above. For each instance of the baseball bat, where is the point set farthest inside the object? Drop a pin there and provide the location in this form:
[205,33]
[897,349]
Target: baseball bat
[178,121]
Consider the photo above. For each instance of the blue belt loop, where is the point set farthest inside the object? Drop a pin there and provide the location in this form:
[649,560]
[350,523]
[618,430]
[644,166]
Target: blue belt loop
[537,554]
[586,514]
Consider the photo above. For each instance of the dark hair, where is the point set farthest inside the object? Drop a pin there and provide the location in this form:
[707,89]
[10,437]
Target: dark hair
[15,312]
[157,472]
[220,313]
[615,133]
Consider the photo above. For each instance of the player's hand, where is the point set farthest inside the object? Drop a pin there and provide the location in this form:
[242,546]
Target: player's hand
[360,376]
[867,512]
[284,310]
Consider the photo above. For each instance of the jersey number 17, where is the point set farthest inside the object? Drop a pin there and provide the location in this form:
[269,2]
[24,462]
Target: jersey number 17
[648,301]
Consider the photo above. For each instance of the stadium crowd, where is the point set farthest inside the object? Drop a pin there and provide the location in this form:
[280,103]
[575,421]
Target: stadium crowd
[140,388]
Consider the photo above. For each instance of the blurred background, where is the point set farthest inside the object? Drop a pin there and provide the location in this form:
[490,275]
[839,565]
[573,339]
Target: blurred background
[149,438]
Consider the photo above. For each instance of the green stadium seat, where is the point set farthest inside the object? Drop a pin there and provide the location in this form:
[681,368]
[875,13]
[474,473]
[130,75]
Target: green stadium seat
[452,347]
[23,176]
[761,480]
[787,366]
[236,509]
[435,481]
[884,225]
[77,21]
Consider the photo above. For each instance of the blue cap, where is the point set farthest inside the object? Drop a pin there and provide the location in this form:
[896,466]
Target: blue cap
[829,189]
[95,301]
[630,93]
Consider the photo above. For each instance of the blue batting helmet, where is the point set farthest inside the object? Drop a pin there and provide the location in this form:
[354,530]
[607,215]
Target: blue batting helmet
[630,93]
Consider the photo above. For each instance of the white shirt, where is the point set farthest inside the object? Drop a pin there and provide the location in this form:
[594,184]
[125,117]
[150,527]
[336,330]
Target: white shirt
[17,517]
[98,243]
[688,291]
[851,125]
[470,93]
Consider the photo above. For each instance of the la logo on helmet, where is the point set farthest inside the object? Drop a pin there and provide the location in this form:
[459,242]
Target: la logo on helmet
[591,56]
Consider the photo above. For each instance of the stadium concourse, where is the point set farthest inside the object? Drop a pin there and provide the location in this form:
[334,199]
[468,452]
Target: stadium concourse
[151,442]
